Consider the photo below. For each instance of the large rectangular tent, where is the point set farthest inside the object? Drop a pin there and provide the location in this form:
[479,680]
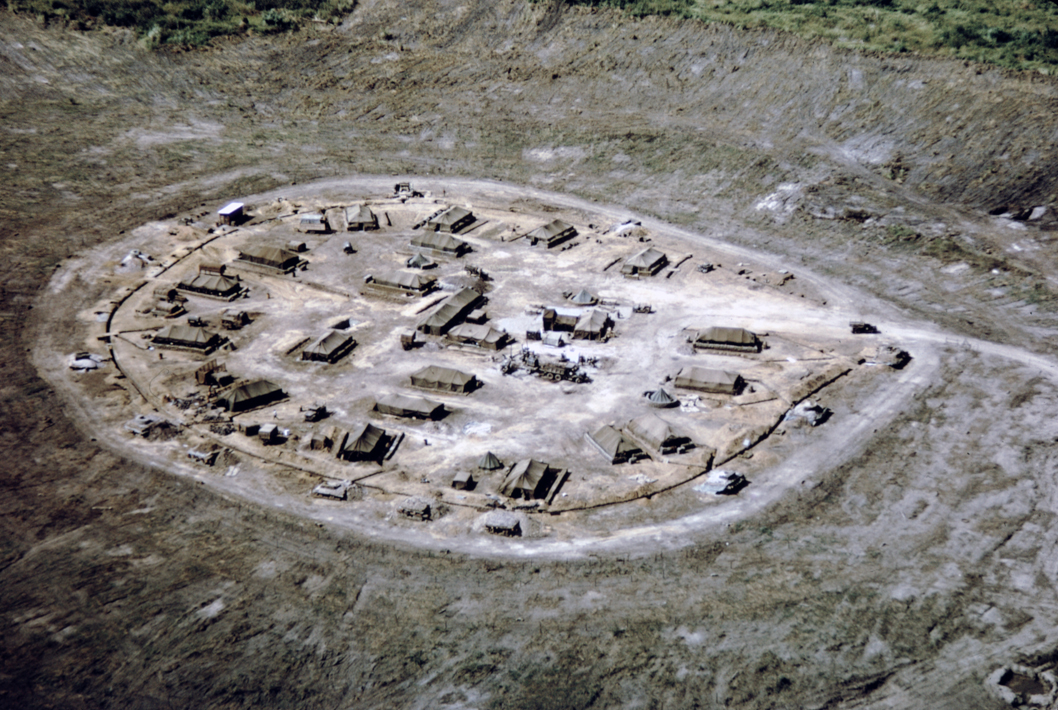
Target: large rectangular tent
[331,347]
[451,220]
[444,379]
[250,395]
[440,243]
[704,379]
[482,336]
[647,262]
[613,446]
[552,234]
[656,433]
[450,312]
[533,480]
[365,442]
[402,405]
[214,285]
[272,257]
[725,338]
[360,218]
[186,337]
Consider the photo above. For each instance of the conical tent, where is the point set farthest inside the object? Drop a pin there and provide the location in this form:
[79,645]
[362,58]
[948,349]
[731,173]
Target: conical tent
[661,398]
[420,261]
[489,462]
[584,297]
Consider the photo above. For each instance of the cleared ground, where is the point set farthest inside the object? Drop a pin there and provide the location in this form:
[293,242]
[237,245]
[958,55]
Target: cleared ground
[808,351]
[900,573]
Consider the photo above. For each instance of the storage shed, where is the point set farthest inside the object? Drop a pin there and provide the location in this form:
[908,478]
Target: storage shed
[231,213]
[561,319]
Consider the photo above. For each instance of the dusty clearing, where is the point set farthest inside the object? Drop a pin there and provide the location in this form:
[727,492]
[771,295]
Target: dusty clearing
[893,557]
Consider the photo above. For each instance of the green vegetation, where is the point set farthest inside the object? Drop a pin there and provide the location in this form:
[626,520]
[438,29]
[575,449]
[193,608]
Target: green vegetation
[186,22]
[1019,34]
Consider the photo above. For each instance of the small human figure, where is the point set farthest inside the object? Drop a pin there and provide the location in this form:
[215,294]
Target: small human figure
[275,414]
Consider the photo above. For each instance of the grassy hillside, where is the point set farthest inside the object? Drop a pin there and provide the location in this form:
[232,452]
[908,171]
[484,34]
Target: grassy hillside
[1020,34]
[186,22]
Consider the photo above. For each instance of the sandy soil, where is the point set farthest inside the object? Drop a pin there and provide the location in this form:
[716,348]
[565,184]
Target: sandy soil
[898,574]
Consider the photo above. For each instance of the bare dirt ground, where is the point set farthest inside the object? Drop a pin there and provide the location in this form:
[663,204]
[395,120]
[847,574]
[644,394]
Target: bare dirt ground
[898,576]
[809,353]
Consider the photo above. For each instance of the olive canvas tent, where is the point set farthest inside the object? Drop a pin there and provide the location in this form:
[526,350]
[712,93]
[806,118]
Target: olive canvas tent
[593,325]
[489,462]
[366,442]
[706,380]
[360,218]
[532,479]
[331,347]
[451,220]
[439,243]
[661,399]
[481,336]
[402,405]
[648,262]
[656,433]
[214,285]
[444,379]
[730,339]
[584,297]
[552,234]
[420,261]
[613,446]
[406,282]
[250,395]
[186,337]
[450,312]
[272,257]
